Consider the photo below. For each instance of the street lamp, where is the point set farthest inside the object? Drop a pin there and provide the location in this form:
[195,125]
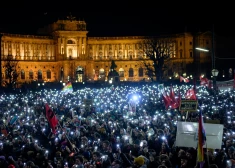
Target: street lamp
[202,49]
[214,73]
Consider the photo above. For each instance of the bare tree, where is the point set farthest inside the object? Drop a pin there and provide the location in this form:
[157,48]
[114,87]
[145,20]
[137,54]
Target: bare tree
[11,74]
[156,54]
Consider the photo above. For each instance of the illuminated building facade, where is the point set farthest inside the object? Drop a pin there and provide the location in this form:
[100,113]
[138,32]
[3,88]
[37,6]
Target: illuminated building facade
[68,53]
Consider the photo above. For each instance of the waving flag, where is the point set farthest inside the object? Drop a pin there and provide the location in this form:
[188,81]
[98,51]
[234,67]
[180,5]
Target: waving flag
[201,140]
[166,99]
[186,80]
[51,117]
[174,101]
[68,88]
[190,94]
[205,82]
[170,100]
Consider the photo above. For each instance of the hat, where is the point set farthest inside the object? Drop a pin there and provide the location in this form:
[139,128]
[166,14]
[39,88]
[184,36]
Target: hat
[2,157]
[139,161]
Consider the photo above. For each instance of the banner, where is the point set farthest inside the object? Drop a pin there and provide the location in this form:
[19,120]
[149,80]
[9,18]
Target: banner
[225,85]
[187,135]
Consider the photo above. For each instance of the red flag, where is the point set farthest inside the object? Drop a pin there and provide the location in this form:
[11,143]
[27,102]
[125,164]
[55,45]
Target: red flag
[181,79]
[190,94]
[204,81]
[51,117]
[186,80]
[174,103]
[4,132]
[167,100]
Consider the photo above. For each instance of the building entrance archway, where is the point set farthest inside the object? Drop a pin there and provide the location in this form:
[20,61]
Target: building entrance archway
[80,74]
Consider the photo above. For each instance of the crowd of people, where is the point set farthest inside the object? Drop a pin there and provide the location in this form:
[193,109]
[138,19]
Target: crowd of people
[99,128]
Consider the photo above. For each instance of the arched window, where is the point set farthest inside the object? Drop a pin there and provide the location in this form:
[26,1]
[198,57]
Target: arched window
[39,74]
[48,74]
[30,74]
[141,72]
[22,74]
[70,42]
[121,72]
[131,72]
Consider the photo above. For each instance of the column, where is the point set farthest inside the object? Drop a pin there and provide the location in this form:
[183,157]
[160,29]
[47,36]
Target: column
[65,47]
[80,46]
[59,45]
[105,50]
[5,48]
[84,43]
[53,49]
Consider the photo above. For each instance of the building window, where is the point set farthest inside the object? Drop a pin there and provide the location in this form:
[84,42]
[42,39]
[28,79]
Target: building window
[181,43]
[22,74]
[181,54]
[30,74]
[39,75]
[190,43]
[131,72]
[48,74]
[61,26]
[83,27]
[121,72]
[191,54]
[141,72]
[79,27]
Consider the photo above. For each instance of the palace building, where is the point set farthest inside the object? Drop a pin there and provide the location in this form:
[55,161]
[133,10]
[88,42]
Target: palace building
[64,51]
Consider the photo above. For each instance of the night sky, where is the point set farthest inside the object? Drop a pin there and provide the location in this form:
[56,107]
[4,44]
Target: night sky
[119,18]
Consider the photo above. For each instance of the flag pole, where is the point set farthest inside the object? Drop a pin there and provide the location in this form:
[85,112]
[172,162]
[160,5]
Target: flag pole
[196,156]
[186,116]
[65,132]
[67,137]
[207,155]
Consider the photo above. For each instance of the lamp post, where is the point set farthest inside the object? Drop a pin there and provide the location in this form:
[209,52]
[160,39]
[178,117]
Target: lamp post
[214,73]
